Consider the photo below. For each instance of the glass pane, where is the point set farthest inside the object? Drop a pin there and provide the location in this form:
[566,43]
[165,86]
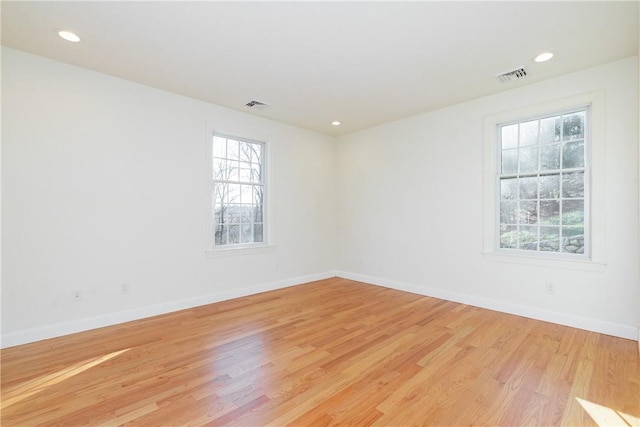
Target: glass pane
[509,136]
[508,236]
[509,161]
[573,185]
[573,154]
[231,172]
[220,235]
[219,192]
[258,233]
[529,188]
[549,239]
[257,195]
[529,159]
[573,240]
[573,126]
[549,186]
[256,173]
[549,212]
[528,213]
[219,147]
[550,157]
[528,238]
[219,169]
[256,153]
[549,130]
[244,172]
[245,151]
[234,234]
[233,149]
[233,214]
[246,233]
[508,188]
[233,193]
[573,212]
[257,213]
[529,133]
[508,212]
[246,194]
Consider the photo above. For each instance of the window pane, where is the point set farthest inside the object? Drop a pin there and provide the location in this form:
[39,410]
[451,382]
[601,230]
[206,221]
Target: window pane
[233,149]
[550,130]
[256,173]
[508,212]
[509,188]
[550,157]
[549,239]
[573,126]
[246,194]
[258,233]
[234,234]
[549,212]
[529,159]
[244,172]
[573,240]
[232,194]
[573,212]
[529,188]
[256,153]
[508,236]
[573,154]
[509,136]
[220,235]
[528,238]
[529,133]
[528,213]
[509,161]
[246,235]
[257,213]
[245,151]
[573,185]
[549,186]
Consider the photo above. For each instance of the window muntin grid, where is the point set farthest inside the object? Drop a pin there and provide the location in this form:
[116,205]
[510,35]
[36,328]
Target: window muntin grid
[542,185]
[238,191]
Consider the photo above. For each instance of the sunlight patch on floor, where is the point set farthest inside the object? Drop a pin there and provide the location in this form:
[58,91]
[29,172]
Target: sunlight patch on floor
[29,388]
[604,416]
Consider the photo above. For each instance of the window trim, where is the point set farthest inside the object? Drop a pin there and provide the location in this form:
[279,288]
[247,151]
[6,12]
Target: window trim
[213,251]
[594,161]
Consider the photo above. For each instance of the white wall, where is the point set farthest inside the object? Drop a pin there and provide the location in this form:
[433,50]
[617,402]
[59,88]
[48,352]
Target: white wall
[103,182]
[411,209]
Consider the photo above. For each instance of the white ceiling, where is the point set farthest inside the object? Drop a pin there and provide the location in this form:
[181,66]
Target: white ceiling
[363,63]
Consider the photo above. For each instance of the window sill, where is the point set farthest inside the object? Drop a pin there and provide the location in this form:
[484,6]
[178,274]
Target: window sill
[585,264]
[240,250]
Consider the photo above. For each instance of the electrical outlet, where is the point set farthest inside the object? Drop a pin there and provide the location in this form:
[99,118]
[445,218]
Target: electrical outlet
[550,288]
[125,288]
[76,295]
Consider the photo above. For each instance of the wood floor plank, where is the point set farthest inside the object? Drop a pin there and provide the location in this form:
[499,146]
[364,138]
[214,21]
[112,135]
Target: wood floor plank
[332,352]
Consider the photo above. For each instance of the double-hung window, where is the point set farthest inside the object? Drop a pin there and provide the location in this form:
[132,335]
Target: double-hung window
[543,185]
[238,192]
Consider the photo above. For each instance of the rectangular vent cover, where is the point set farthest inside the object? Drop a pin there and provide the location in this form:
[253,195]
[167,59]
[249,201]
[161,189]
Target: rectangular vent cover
[518,73]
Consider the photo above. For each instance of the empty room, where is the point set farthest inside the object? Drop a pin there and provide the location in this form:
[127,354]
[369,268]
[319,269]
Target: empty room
[320,213]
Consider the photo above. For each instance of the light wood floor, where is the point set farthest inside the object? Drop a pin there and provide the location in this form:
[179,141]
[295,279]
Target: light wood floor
[325,353]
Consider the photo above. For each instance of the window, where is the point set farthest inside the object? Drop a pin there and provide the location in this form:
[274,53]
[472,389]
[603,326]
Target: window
[542,185]
[238,192]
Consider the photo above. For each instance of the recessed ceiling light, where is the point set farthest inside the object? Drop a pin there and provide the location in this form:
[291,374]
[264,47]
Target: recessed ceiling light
[543,57]
[336,123]
[69,36]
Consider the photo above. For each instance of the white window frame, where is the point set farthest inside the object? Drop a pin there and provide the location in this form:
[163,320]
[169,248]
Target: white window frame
[267,245]
[594,183]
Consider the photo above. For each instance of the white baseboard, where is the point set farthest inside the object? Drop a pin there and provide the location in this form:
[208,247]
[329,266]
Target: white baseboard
[594,325]
[85,324]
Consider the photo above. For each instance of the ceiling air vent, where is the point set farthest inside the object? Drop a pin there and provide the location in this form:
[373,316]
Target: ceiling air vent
[518,73]
[256,105]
